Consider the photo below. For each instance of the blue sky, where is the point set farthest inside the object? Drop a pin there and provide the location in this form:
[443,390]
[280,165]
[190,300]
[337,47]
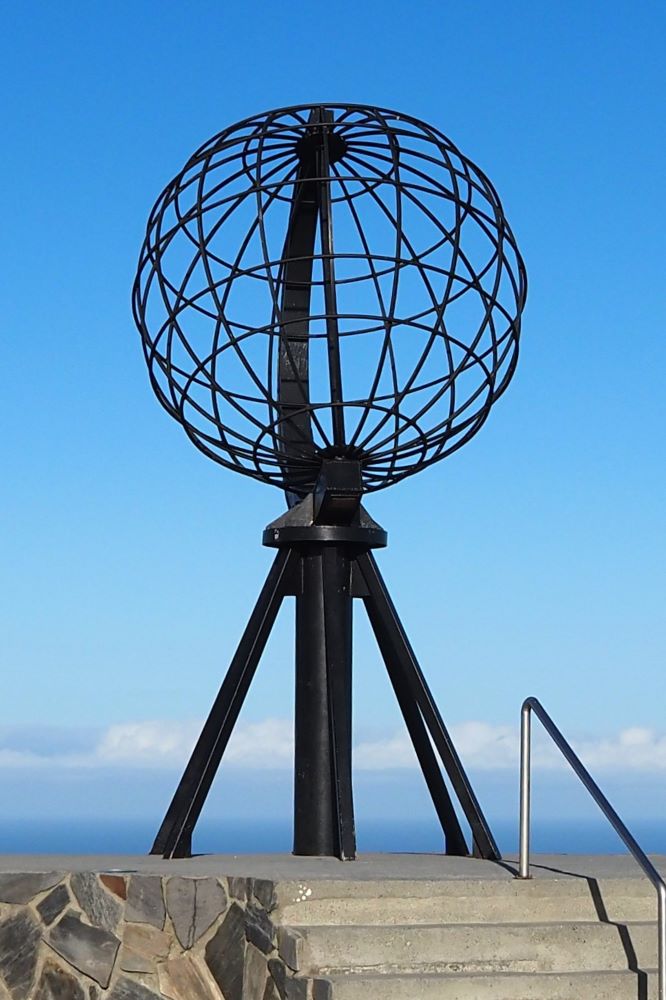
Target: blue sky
[531,562]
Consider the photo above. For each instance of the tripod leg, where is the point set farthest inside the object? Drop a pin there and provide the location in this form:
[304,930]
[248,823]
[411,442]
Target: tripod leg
[455,839]
[396,649]
[174,839]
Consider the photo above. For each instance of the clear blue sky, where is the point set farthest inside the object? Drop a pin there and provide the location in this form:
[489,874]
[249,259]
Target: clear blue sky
[533,561]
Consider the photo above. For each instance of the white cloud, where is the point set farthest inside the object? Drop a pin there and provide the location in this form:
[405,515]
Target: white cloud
[634,749]
[262,744]
[486,746]
[144,743]
[269,744]
[491,747]
[384,755]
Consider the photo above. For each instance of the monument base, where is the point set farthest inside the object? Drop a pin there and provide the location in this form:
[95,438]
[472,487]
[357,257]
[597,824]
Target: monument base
[385,927]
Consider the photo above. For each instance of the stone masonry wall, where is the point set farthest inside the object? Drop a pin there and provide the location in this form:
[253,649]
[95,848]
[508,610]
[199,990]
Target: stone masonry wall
[97,936]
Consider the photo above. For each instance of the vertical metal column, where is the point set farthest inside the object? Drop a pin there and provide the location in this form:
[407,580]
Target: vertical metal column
[323,805]
[328,270]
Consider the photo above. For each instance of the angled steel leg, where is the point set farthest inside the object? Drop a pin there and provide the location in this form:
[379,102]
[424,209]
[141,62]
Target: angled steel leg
[397,651]
[174,839]
[455,839]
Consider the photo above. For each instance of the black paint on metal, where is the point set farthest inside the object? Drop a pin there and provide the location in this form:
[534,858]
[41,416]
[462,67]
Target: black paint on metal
[295,285]
[395,644]
[330,297]
[336,567]
[404,242]
[174,839]
[403,237]
[325,577]
[432,772]
[323,805]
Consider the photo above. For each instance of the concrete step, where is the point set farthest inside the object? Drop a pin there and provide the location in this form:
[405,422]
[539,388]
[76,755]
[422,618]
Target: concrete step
[426,902]
[593,985]
[457,948]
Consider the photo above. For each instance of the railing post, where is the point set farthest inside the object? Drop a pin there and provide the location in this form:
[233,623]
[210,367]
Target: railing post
[661,947]
[530,705]
[525,781]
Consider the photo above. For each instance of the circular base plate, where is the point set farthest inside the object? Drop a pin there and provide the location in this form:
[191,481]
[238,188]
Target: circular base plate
[331,534]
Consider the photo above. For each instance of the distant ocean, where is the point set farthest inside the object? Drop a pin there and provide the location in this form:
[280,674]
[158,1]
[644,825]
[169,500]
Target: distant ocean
[252,837]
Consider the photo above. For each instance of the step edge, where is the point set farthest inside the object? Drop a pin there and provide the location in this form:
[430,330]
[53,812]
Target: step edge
[488,976]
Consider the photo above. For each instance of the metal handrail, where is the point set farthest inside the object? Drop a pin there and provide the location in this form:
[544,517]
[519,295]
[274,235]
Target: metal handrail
[534,705]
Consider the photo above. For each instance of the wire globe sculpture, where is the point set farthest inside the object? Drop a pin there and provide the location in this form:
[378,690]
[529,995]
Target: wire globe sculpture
[329,281]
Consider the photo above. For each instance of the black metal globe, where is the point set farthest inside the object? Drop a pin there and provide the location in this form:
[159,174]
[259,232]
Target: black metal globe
[329,281]
[329,298]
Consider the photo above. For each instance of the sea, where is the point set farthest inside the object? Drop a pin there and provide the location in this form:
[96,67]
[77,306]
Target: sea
[31,836]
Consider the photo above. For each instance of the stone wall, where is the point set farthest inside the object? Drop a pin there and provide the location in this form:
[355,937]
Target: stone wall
[89,936]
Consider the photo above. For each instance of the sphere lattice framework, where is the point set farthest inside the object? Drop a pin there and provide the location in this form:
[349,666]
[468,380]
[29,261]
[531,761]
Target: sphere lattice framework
[326,281]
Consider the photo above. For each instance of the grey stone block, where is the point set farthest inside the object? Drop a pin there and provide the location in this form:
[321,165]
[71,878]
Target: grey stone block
[52,905]
[322,989]
[278,972]
[259,928]
[101,909]
[194,905]
[255,974]
[240,888]
[129,989]
[225,954]
[21,888]
[211,903]
[297,988]
[180,896]
[57,984]
[290,948]
[91,950]
[271,991]
[145,903]
[19,944]
[264,892]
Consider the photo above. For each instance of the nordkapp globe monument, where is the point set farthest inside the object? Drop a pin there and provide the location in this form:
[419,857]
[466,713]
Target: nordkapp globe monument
[329,298]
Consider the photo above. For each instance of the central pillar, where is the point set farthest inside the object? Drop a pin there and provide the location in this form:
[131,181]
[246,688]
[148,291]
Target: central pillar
[323,803]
